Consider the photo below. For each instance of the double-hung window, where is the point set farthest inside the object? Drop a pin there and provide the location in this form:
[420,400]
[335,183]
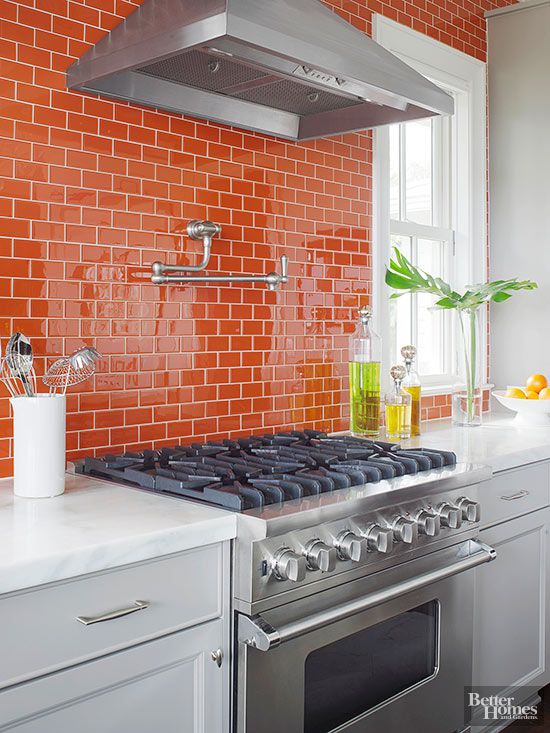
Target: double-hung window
[420,163]
[430,183]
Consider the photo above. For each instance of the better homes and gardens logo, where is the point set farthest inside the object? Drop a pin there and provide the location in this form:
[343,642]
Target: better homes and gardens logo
[484,705]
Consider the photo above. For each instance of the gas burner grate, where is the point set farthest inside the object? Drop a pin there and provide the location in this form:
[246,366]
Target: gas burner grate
[258,471]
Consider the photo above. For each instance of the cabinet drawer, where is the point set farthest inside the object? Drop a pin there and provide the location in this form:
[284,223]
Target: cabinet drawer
[169,685]
[512,493]
[41,631]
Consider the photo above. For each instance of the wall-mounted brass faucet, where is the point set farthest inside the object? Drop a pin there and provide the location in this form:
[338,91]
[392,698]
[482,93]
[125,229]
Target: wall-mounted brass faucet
[204,231]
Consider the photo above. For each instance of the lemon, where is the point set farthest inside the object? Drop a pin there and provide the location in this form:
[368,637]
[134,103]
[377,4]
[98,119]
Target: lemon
[516,393]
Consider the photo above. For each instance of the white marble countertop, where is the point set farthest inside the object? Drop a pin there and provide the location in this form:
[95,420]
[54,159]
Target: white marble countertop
[97,525]
[497,443]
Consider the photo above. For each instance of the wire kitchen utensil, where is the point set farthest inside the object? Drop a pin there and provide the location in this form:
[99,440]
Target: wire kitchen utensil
[7,378]
[62,375]
[22,370]
[82,358]
[70,370]
[19,358]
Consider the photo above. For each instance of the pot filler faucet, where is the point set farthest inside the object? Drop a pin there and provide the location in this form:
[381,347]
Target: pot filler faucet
[204,231]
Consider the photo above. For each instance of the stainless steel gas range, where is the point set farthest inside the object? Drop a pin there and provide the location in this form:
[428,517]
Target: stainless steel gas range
[353,604]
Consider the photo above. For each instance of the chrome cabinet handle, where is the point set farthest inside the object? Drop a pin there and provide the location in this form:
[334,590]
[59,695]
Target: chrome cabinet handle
[137,606]
[517,495]
[260,634]
[217,656]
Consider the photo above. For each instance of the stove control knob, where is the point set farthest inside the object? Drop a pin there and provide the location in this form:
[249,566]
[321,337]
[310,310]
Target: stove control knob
[427,523]
[450,516]
[351,547]
[379,539]
[288,565]
[471,510]
[320,556]
[404,530]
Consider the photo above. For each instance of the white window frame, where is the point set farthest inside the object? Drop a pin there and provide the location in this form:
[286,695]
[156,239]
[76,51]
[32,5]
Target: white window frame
[467,76]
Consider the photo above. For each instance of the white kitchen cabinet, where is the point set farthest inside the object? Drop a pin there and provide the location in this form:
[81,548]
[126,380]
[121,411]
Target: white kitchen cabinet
[512,594]
[510,628]
[171,685]
[163,668]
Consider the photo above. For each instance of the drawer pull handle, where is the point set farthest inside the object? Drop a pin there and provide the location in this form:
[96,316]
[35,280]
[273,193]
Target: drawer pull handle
[518,495]
[137,606]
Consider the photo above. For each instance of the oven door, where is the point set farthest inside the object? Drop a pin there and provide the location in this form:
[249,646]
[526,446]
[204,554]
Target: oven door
[389,652]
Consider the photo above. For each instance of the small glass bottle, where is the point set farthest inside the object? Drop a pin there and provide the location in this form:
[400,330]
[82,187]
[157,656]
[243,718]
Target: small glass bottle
[411,384]
[398,407]
[364,377]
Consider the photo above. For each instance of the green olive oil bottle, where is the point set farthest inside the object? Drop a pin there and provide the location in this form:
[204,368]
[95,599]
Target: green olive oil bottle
[364,377]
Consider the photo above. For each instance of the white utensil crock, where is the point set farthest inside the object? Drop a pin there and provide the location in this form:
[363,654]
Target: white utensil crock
[39,445]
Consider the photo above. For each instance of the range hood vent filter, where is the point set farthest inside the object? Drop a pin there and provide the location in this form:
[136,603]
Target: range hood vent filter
[201,70]
[290,68]
[231,78]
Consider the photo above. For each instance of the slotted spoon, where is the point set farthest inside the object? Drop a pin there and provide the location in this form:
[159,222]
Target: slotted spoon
[19,358]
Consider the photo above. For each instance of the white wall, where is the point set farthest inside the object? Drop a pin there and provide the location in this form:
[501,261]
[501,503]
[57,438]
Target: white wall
[519,185]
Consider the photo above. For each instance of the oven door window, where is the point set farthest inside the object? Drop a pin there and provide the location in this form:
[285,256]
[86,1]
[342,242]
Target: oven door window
[353,675]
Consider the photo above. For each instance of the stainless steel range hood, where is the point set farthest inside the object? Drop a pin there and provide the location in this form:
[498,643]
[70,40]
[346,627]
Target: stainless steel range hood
[290,68]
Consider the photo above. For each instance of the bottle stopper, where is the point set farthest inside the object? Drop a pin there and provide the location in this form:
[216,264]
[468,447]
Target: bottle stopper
[365,313]
[397,373]
[408,353]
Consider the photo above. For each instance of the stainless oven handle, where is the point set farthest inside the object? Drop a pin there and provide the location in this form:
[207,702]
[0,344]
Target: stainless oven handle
[258,633]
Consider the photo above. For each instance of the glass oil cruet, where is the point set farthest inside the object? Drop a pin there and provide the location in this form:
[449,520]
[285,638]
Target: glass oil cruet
[364,377]
[398,406]
[411,384]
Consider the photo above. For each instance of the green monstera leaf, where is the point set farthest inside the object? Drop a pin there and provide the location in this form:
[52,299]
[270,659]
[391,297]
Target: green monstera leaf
[403,276]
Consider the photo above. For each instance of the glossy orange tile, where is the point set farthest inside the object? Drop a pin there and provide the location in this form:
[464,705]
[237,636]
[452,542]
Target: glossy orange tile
[92,191]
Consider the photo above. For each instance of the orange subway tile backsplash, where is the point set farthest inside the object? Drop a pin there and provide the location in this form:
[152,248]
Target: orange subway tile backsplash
[92,191]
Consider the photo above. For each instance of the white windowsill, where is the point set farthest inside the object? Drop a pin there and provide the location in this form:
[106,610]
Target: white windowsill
[438,389]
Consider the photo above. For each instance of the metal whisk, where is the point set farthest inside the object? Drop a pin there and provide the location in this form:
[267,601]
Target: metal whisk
[7,378]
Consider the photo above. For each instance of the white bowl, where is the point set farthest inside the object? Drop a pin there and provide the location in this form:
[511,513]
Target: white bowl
[529,412]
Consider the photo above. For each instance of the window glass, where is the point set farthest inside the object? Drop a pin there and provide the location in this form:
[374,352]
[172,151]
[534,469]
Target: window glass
[418,172]
[401,331]
[431,335]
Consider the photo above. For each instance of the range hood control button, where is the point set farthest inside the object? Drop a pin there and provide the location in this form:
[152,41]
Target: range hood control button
[320,556]
[427,523]
[288,565]
[351,547]
[471,510]
[451,516]
[379,539]
[404,530]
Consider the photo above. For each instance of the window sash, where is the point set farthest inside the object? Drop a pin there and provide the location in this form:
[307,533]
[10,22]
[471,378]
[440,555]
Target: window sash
[439,231]
[421,231]
[443,237]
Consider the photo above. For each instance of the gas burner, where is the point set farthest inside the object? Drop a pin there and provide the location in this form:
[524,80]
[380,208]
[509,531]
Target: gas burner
[258,471]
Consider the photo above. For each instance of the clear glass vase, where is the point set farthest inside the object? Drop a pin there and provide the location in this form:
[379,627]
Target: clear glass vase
[467,392]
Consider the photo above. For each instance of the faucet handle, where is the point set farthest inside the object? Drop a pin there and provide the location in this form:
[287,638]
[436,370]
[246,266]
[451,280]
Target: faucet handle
[274,279]
[284,268]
